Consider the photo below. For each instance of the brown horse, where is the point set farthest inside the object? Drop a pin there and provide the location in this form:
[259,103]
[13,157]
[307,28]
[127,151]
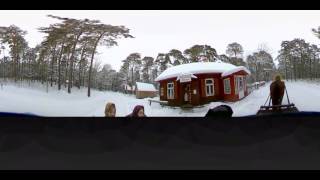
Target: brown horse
[277,91]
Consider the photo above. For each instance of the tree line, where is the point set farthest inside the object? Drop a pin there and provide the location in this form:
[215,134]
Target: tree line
[66,55]
[146,69]
[299,59]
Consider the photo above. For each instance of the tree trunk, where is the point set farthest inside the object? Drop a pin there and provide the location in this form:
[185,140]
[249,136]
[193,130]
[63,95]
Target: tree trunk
[42,72]
[295,71]
[59,66]
[18,68]
[3,70]
[66,74]
[315,69]
[90,71]
[71,61]
[52,63]
[301,69]
[15,67]
[83,76]
[91,62]
[72,76]
[285,66]
[29,70]
[66,69]
[79,75]
[80,63]
[256,73]
[112,89]
[21,71]
[310,72]
[131,78]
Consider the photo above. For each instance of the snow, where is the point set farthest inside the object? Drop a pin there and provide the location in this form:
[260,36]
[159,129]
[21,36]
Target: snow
[200,67]
[145,87]
[236,69]
[128,87]
[186,75]
[35,100]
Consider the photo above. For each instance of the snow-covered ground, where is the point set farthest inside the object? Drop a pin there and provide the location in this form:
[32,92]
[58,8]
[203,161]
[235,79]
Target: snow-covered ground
[23,98]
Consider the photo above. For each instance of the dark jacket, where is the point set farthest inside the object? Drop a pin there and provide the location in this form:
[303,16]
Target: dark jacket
[135,111]
[220,111]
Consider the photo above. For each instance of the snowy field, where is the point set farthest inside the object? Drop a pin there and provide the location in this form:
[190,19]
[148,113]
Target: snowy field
[23,98]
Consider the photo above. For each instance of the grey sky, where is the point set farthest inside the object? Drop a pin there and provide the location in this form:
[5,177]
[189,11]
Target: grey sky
[161,31]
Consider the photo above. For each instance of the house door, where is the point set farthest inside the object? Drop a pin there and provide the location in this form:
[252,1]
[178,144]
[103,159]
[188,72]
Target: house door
[240,86]
[187,94]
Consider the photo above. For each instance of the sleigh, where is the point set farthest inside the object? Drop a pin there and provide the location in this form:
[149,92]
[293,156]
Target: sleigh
[277,109]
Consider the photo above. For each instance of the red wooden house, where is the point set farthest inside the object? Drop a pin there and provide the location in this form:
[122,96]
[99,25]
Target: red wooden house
[203,82]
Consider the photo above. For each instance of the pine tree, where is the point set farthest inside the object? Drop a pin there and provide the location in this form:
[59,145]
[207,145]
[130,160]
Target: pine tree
[195,53]
[133,61]
[14,37]
[177,57]
[147,63]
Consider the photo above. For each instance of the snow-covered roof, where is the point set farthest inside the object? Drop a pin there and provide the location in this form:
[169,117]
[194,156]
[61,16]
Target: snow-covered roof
[236,69]
[145,87]
[128,87]
[200,68]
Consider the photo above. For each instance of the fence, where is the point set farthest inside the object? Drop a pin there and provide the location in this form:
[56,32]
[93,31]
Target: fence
[256,85]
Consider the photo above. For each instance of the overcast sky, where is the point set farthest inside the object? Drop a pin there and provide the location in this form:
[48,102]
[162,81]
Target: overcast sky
[161,31]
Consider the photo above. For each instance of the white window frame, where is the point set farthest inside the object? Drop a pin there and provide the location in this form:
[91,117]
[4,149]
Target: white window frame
[205,81]
[168,89]
[235,84]
[241,79]
[224,86]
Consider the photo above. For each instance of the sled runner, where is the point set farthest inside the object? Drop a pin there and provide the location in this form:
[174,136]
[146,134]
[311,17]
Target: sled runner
[287,108]
[162,103]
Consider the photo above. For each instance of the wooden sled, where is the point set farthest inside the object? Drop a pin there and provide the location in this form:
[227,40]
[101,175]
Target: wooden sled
[277,109]
[187,106]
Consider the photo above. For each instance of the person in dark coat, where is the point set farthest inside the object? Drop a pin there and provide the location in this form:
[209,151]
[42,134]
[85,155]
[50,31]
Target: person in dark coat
[277,88]
[138,111]
[223,111]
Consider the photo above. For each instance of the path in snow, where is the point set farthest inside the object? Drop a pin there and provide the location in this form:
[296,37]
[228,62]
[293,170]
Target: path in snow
[36,100]
[305,95]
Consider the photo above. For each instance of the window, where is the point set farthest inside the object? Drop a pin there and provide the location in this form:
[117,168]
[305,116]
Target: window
[236,84]
[240,83]
[170,91]
[245,83]
[209,83]
[226,85]
[161,92]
